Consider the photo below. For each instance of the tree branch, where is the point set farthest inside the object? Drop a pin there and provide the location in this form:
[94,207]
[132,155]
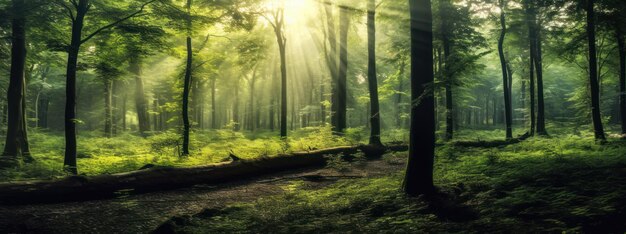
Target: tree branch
[70,13]
[117,22]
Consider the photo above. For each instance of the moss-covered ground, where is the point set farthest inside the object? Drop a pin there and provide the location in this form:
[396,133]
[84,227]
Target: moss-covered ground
[563,183]
[128,152]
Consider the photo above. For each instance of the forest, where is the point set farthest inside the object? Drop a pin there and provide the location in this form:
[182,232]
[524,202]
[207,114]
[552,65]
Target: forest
[313,116]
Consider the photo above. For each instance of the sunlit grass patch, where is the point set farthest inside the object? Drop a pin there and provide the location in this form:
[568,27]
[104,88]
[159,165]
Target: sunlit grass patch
[548,184]
[128,152]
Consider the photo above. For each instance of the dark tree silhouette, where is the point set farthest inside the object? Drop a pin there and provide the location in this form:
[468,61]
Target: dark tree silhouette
[342,73]
[445,30]
[371,74]
[419,173]
[622,78]
[16,136]
[505,73]
[143,118]
[593,73]
[187,84]
[331,60]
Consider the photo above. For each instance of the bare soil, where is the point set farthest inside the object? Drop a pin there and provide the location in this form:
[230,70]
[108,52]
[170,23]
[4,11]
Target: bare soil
[143,213]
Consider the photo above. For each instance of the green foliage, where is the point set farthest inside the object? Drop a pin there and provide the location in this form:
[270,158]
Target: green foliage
[518,188]
[128,152]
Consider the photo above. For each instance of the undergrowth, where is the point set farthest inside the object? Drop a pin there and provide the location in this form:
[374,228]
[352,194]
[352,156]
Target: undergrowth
[558,184]
[128,152]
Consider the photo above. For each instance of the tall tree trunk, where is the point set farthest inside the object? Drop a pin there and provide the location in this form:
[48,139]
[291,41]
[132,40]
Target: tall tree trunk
[187,85]
[332,63]
[15,108]
[371,74]
[114,117]
[140,100]
[445,38]
[251,119]
[342,76]
[42,101]
[419,173]
[541,118]
[530,14]
[593,73]
[155,108]
[257,116]
[197,106]
[494,117]
[213,107]
[487,98]
[24,130]
[272,114]
[69,162]
[505,75]
[399,109]
[186,91]
[622,77]
[42,111]
[322,104]
[282,41]
[523,99]
[108,110]
[123,111]
[236,120]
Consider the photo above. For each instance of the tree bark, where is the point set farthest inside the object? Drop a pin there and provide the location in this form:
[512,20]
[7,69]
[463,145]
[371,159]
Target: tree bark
[114,117]
[541,119]
[42,111]
[399,109]
[187,85]
[505,75]
[213,107]
[155,118]
[186,91]
[69,162]
[123,111]
[622,77]
[15,92]
[593,73]
[419,173]
[444,28]
[332,63]
[24,130]
[371,74]
[342,75]
[108,109]
[282,41]
[251,112]
[236,118]
[143,119]
[530,14]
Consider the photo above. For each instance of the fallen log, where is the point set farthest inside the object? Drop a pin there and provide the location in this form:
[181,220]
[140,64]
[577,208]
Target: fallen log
[77,188]
[491,144]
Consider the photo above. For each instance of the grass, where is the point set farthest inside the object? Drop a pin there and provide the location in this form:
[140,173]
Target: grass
[127,152]
[563,183]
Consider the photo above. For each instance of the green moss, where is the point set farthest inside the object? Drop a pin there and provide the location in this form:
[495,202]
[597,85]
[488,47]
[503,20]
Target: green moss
[559,184]
[128,152]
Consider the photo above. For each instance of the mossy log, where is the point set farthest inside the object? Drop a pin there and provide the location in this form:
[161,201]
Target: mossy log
[491,144]
[78,188]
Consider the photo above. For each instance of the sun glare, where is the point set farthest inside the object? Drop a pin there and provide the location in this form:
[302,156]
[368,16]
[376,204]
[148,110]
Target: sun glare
[296,11]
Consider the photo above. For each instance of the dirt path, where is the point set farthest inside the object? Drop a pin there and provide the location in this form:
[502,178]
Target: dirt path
[144,213]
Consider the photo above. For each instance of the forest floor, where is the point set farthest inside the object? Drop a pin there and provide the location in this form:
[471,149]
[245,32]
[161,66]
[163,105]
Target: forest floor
[146,212]
[561,183]
[564,183]
[128,152]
